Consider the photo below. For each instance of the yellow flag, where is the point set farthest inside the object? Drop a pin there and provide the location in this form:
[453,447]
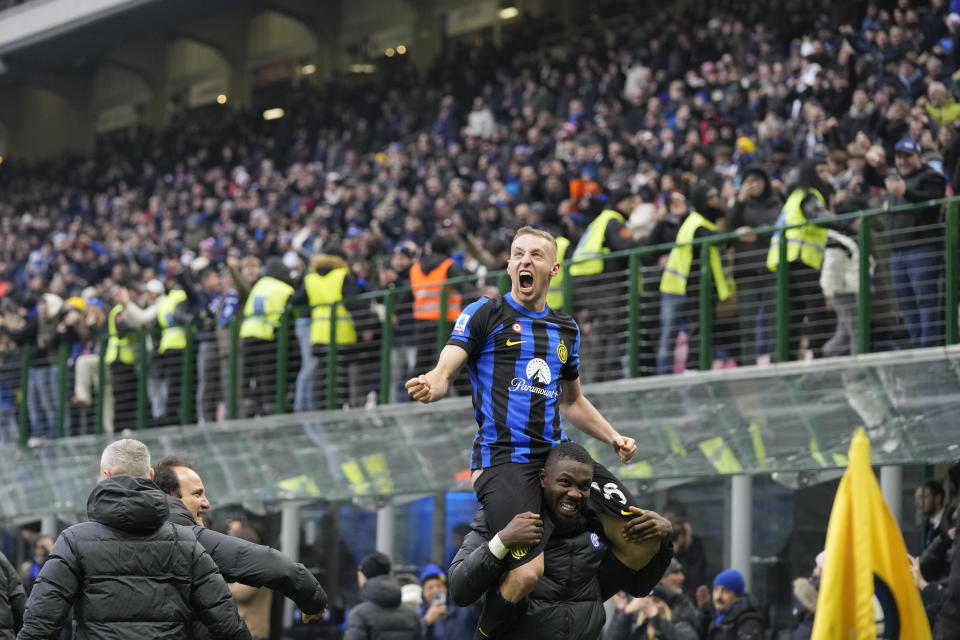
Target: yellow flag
[866,590]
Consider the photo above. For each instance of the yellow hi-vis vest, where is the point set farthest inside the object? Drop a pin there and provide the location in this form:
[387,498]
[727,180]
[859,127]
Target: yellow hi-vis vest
[555,294]
[122,347]
[323,291]
[807,242]
[172,337]
[677,271]
[264,305]
[587,256]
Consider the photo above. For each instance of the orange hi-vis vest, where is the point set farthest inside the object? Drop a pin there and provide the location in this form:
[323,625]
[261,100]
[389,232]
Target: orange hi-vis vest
[426,293]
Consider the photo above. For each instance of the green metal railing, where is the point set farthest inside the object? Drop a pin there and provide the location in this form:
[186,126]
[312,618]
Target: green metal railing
[232,392]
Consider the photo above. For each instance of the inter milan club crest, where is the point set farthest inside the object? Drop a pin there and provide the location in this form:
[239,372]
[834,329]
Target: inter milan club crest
[562,352]
[517,327]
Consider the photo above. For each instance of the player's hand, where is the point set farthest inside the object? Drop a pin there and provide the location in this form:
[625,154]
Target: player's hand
[525,530]
[419,389]
[625,448]
[310,617]
[646,525]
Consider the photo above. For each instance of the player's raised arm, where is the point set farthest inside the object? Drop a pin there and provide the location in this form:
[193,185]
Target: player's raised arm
[433,385]
[580,412]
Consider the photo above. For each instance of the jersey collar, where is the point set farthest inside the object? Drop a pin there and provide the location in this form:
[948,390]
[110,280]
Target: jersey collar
[522,309]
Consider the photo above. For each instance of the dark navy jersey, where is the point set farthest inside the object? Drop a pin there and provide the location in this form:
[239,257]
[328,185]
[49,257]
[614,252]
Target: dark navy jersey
[518,360]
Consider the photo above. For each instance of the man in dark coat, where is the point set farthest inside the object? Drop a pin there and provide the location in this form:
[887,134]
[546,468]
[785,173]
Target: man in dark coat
[917,261]
[12,600]
[381,615]
[581,568]
[757,205]
[735,615]
[127,572]
[240,561]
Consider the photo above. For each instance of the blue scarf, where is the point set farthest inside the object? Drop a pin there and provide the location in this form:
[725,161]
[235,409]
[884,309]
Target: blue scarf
[721,615]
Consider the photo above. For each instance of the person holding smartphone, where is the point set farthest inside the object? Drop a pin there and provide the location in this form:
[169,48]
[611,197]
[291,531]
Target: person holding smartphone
[442,618]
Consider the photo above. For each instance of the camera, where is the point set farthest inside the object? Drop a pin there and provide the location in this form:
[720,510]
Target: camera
[893,174]
[439,597]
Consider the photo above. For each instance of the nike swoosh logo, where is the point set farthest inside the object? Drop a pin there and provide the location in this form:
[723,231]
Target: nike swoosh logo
[626,513]
[511,343]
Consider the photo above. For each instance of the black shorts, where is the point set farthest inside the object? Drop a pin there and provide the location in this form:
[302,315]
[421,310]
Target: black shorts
[513,488]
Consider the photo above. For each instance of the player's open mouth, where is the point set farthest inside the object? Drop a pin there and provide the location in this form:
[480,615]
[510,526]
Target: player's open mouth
[569,507]
[525,280]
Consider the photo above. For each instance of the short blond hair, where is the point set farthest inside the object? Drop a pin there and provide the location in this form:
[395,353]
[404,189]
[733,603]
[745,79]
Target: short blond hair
[540,233]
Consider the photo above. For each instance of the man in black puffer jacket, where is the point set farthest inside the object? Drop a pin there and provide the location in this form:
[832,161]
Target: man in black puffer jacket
[240,561]
[12,600]
[381,615]
[127,572]
[581,568]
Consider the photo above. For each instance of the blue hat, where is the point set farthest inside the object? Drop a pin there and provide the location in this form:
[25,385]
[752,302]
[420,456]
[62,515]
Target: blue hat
[432,571]
[907,145]
[730,579]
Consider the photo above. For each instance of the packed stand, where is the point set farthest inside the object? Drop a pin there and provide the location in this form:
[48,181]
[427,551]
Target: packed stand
[648,130]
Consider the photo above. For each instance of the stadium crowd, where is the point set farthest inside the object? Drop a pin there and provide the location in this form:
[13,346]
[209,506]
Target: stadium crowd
[372,183]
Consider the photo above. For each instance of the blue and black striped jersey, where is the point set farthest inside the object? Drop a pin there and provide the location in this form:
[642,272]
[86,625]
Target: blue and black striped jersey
[518,360]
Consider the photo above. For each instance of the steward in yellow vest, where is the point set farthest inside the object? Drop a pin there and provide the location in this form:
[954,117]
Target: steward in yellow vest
[806,202]
[173,322]
[676,273]
[266,302]
[807,309]
[328,281]
[606,233]
[262,313]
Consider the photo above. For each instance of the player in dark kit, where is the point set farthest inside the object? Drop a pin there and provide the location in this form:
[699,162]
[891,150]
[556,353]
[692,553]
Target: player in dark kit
[524,367]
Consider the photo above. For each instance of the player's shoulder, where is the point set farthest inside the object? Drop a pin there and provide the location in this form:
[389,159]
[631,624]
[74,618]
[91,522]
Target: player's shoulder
[561,319]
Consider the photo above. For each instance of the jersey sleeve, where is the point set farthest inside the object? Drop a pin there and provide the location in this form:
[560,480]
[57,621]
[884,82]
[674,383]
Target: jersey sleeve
[571,368]
[472,326]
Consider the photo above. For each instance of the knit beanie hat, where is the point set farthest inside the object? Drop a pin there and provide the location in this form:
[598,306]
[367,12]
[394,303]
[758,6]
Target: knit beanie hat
[375,564]
[730,579]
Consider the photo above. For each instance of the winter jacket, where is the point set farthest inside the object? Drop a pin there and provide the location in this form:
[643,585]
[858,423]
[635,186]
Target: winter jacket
[130,574]
[755,211]
[922,225]
[743,622]
[457,622]
[254,564]
[12,600]
[381,616]
[840,271]
[580,573]
[251,564]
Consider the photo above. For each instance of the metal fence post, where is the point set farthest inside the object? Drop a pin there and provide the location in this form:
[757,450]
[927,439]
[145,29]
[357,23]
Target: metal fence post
[504,282]
[332,360]
[783,301]
[187,364]
[283,355]
[863,292]
[706,307]
[23,412]
[63,369]
[951,332]
[143,402]
[633,314]
[102,389]
[386,349]
[233,368]
[442,329]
